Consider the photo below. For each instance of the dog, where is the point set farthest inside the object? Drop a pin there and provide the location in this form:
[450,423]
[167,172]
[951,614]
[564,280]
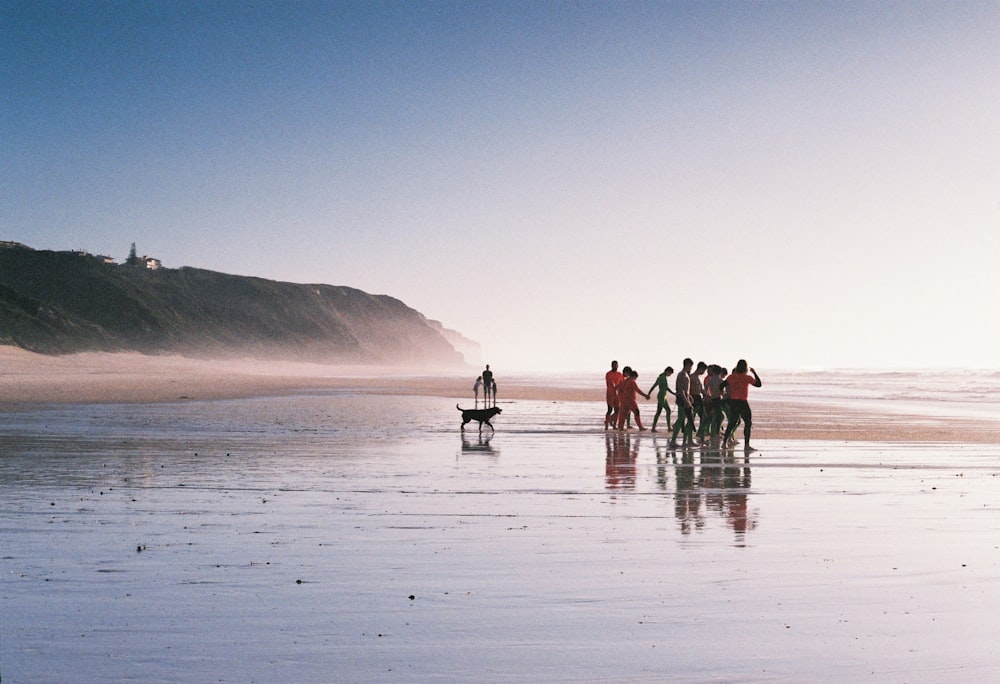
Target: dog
[482,415]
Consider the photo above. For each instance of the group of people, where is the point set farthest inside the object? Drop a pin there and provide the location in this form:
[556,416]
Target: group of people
[486,383]
[622,403]
[702,405]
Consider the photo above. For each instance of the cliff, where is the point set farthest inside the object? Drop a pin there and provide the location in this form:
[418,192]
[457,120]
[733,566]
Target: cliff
[67,302]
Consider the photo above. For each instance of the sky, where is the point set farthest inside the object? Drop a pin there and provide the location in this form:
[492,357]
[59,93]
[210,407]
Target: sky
[801,184]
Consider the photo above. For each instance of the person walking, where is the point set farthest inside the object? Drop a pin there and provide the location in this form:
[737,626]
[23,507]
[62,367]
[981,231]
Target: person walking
[738,383]
[663,383]
[710,422]
[725,411]
[627,402]
[685,417]
[698,397]
[611,380]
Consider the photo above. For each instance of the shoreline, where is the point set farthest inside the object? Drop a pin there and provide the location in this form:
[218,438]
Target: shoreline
[30,379]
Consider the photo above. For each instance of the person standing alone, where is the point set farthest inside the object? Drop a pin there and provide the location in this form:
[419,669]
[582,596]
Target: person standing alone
[487,386]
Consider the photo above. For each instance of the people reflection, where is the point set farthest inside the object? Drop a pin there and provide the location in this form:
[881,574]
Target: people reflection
[622,454]
[708,483]
[736,484]
[687,502]
[664,456]
[711,481]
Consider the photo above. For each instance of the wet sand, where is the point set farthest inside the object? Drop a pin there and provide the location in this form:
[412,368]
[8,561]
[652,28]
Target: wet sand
[338,535]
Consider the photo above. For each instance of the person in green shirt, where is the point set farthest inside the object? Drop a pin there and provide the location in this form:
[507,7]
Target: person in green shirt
[663,384]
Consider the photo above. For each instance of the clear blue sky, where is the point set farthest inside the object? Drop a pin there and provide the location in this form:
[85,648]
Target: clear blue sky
[800,184]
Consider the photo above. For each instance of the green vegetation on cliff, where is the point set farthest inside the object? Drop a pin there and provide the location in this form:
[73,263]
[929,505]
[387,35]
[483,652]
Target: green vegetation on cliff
[67,302]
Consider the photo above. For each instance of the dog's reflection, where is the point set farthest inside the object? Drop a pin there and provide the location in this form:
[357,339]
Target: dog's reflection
[479,446]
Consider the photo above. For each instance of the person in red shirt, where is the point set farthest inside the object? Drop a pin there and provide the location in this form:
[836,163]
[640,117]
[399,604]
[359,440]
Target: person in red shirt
[626,398]
[738,383]
[612,379]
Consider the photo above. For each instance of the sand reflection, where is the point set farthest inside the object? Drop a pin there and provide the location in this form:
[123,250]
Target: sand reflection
[707,483]
[726,481]
[622,452]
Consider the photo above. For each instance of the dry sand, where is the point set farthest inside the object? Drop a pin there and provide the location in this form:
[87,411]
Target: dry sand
[29,378]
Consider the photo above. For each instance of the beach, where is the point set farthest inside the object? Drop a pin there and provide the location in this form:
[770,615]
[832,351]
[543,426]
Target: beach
[29,378]
[164,522]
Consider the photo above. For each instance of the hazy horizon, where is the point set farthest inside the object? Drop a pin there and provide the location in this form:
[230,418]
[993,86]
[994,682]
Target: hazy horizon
[807,185]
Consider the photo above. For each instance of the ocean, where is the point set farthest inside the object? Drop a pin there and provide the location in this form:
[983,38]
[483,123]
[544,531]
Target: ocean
[972,394]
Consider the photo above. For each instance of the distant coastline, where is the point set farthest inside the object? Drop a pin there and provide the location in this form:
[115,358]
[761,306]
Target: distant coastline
[73,302]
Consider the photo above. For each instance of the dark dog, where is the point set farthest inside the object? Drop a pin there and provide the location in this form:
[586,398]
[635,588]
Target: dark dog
[482,415]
